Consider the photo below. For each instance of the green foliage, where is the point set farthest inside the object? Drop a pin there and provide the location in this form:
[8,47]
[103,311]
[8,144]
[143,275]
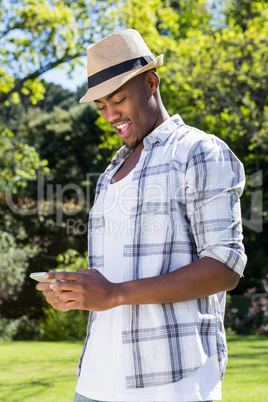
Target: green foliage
[14,262]
[18,165]
[22,328]
[70,325]
[56,96]
[38,36]
[59,134]
[72,261]
[8,329]
[19,162]
[254,321]
[257,317]
[110,141]
[69,139]
[239,12]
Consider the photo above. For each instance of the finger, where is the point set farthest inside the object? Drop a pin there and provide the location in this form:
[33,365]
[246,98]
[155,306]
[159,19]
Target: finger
[67,286]
[60,306]
[66,306]
[64,276]
[68,297]
[72,305]
[42,286]
[49,294]
[55,301]
[52,298]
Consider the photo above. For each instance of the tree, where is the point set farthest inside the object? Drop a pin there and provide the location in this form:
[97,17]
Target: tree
[18,165]
[69,139]
[240,12]
[14,262]
[37,36]
[18,162]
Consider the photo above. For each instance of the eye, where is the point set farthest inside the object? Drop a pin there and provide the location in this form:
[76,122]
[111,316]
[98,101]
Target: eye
[122,100]
[101,108]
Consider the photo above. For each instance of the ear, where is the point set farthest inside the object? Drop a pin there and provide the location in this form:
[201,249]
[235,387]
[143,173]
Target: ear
[153,81]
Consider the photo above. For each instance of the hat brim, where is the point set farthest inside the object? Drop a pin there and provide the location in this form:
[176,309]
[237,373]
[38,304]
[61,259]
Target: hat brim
[111,85]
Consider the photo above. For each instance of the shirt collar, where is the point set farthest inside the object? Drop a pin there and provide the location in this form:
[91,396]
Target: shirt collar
[164,131]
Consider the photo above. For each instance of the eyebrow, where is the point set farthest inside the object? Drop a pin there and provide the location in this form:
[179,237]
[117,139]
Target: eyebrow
[108,97]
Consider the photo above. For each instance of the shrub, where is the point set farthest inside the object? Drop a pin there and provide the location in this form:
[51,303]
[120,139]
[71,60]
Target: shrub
[232,322]
[257,316]
[22,328]
[70,325]
[8,329]
[255,322]
[56,325]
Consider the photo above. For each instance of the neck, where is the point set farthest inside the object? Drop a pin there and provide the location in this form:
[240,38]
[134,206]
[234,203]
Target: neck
[162,114]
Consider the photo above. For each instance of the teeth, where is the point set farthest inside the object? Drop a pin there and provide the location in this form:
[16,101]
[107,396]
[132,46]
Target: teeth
[122,126]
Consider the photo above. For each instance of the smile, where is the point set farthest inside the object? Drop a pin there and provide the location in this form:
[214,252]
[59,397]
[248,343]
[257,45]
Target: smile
[122,126]
[123,129]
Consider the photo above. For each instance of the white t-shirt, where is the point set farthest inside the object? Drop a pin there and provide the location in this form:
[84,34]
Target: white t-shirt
[102,374]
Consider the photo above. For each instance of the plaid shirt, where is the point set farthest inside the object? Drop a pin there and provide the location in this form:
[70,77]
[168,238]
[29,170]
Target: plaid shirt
[187,192]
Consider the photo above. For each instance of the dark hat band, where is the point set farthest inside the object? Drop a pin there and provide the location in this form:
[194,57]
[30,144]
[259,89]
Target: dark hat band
[118,69]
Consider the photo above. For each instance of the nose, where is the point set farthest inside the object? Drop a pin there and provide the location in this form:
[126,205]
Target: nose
[111,114]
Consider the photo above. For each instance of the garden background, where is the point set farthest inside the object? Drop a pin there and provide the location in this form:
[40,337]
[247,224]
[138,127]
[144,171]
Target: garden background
[52,148]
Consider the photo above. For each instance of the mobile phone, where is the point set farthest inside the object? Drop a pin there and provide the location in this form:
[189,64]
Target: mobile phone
[39,277]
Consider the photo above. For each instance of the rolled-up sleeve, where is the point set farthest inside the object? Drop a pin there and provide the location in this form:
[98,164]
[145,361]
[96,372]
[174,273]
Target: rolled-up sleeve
[215,181]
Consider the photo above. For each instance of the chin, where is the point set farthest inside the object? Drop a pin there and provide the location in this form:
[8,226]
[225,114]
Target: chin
[134,143]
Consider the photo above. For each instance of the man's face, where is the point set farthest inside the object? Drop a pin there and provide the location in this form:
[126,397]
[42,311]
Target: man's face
[131,110]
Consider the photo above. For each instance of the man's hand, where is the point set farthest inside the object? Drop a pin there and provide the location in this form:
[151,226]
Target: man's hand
[86,289]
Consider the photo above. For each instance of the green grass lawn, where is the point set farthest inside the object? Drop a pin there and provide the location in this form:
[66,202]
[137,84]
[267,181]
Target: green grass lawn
[246,376]
[38,371]
[45,371]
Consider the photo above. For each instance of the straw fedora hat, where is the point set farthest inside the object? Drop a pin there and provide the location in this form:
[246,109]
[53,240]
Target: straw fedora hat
[116,59]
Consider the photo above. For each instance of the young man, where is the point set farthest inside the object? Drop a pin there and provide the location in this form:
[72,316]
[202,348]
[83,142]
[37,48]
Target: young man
[165,243]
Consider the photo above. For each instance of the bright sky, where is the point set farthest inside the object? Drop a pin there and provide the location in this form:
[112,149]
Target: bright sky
[59,76]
